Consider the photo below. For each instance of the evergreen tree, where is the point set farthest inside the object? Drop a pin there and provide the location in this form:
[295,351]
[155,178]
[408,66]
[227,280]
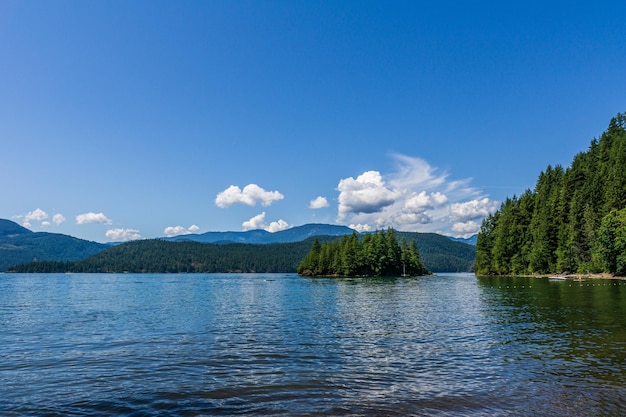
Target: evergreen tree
[570,222]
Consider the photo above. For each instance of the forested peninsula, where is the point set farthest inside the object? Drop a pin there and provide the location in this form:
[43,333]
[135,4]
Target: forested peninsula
[377,254]
[574,221]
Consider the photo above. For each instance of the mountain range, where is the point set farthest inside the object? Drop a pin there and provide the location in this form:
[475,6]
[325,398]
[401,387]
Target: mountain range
[19,245]
[294,234]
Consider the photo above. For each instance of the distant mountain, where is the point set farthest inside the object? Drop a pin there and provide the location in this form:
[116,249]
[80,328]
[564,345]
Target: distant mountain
[294,234]
[438,253]
[20,245]
[470,240]
[224,251]
[11,229]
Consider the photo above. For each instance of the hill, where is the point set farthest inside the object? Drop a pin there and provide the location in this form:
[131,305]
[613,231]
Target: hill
[438,253]
[573,221]
[294,234]
[20,245]
[469,240]
[442,254]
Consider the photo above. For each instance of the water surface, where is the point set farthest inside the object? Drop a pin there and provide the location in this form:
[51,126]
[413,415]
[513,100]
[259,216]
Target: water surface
[278,344]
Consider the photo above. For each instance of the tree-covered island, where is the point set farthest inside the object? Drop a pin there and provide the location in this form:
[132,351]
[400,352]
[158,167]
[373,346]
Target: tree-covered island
[375,254]
[574,221]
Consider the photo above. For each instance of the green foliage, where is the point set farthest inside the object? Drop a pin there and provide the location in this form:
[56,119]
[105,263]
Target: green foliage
[610,247]
[377,254]
[437,252]
[571,222]
[159,256]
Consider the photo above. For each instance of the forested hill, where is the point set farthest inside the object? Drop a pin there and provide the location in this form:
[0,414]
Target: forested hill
[20,245]
[573,221]
[438,254]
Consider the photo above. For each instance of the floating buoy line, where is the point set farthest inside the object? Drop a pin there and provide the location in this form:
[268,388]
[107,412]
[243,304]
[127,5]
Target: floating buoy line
[580,284]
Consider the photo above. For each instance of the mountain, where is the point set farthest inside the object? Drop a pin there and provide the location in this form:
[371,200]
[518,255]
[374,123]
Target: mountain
[442,254]
[10,229]
[469,240]
[252,251]
[20,245]
[294,234]
[438,253]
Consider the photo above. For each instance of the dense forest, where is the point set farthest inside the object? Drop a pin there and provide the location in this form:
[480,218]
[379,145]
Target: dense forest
[159,256]
[375,254]
[438,253]
[573,221]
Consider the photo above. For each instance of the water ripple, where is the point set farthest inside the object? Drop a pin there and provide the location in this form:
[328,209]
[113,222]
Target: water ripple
[192,345]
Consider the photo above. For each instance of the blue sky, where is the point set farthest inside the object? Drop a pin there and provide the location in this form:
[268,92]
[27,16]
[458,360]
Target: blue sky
[137,119]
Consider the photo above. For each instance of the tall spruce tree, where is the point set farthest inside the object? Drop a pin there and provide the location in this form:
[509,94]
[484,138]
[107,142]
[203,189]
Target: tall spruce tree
[570,222]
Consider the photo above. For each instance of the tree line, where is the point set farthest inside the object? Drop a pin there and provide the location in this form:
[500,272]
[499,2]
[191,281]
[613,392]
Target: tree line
[573,221]
[160,256]
[438,253]
[375,254]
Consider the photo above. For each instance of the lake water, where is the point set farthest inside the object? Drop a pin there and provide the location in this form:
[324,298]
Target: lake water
[278,344]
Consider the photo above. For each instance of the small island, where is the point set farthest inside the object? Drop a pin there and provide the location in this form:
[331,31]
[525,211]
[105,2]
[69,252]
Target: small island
[376,254]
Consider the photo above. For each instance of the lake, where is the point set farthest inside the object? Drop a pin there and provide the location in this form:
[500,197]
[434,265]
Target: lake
[278,344]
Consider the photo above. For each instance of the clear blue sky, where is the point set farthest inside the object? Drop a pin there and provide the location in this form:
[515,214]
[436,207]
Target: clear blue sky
[128,119]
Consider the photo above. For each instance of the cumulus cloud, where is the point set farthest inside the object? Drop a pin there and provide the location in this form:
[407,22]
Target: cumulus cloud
[258,222]
[122,235]
[250,195]
[414,197]
[465,229]
[277,226]
[58,219]
[92,217]
[365,194]
[471,210]
[35,215]
[361,227]
[318,203]
[38,215]
[172,231]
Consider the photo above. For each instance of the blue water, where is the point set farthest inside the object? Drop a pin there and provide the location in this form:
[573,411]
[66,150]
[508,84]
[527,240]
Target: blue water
[278,344]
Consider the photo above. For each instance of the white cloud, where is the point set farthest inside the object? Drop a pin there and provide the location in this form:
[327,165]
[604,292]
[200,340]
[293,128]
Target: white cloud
[439,198]
[361,227]
[38,215]
[92,217]
[172,231]
[414,197]
[58,219]
[122,235]
[258,222]
[465,229]
[35,215]
[277,226]
[250,195]
[318,203]
[418,202]
[471,210]
[365,194]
